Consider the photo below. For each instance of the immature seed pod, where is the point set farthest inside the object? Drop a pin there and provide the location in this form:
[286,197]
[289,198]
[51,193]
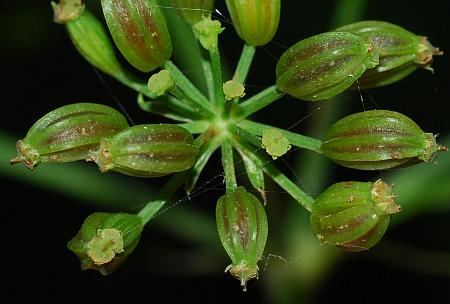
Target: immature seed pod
[105,240]
[242,226]
[139,30]
[193,11]
[255,21]
[353,215]
[68,133]
[93,43]
[378,139]
[147,151]
[324,65]
[401,52]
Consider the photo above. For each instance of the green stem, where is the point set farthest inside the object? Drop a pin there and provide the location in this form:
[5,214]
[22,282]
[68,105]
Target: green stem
[196,127]
[187,87]
[217,76]
[152,207]
[299,195]
[250,137]
[260,100]
[162,109]
[245,61]
[189,56]
[180,107]
[134,83]
[204,155]
[228,165]
[209,78]
[184,97]
[294,139]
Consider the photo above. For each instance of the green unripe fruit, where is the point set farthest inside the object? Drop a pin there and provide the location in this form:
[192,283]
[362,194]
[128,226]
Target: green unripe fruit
[68,133]
[242,226]
[324,65]
[147,151]
[353,215]
[378,139]
[105,240]
[193,11]
[139,30]
[401,52]
[92,41]
[255,21]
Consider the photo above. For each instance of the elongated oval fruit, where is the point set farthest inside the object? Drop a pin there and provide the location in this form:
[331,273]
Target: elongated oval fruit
[105,240]
[193,11]
[93,43]
[139,30]
[147,151]
[68,133]
[378,139]
[401,52]
[324,65]
[353,215]
[242,225]
[255,21]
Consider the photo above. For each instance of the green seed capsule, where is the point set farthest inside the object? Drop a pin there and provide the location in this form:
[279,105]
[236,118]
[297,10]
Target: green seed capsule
[193,11]
[378,139]
[105,240]
[255,21]
[242,226]
[139,30]
[324,65]
[353,215]
[68,134]
[91,40]
[401,52]
[147,151]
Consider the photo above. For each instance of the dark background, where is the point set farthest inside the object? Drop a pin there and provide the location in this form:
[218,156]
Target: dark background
[40,70]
